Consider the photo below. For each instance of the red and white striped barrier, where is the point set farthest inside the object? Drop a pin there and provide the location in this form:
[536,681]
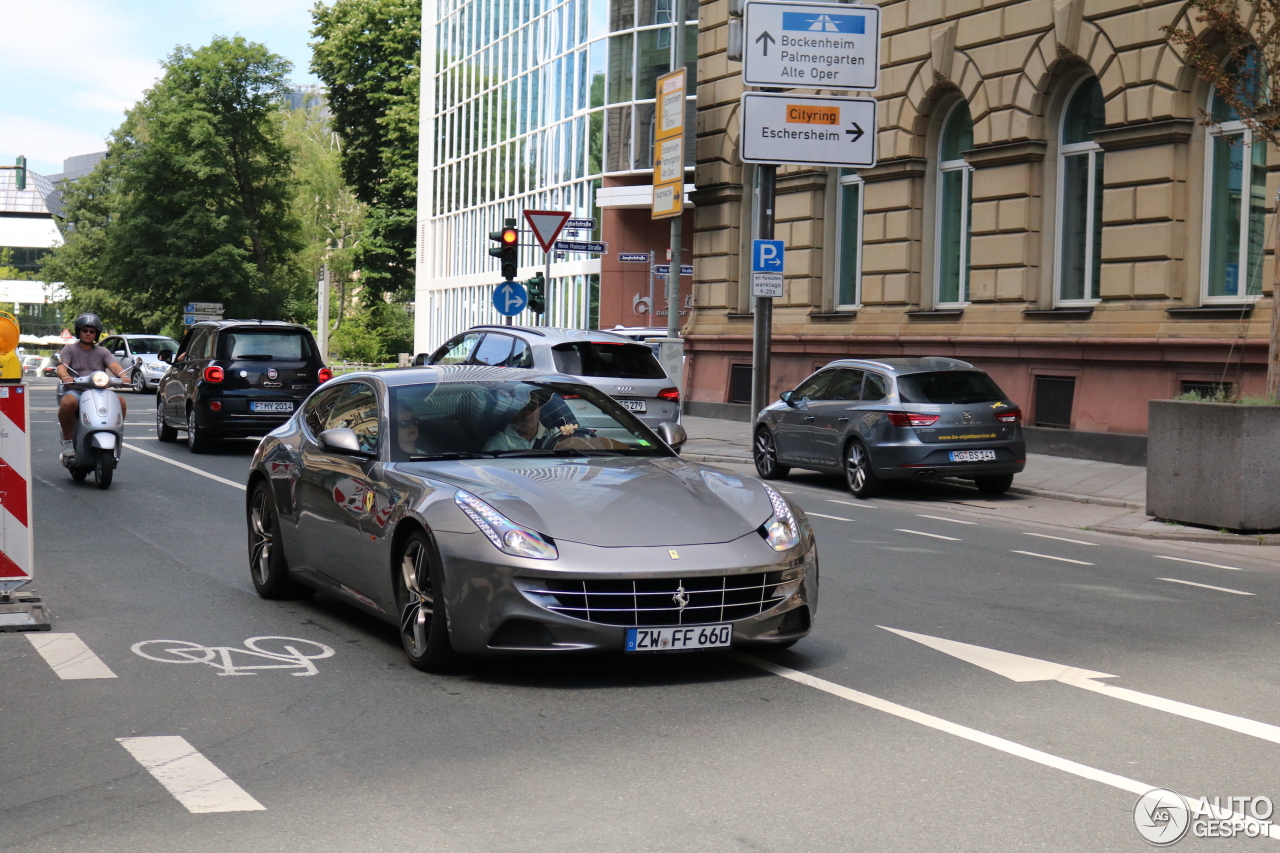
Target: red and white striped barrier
[18,611]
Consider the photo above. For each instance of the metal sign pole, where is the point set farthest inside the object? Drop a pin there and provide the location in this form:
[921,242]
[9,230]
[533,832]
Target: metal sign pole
[322,313]
[673,274]
[551,302]
[763,327]
[652,313]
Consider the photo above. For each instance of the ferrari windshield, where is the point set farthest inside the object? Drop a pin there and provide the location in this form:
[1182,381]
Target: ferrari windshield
[453,420]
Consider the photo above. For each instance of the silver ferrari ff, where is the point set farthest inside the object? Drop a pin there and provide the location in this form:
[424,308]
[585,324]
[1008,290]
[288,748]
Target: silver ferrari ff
[496,511]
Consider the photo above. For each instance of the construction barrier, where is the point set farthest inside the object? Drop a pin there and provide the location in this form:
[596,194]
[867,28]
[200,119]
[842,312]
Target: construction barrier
[19,611]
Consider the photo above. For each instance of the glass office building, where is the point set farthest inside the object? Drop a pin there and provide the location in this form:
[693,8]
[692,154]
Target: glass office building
[529,104]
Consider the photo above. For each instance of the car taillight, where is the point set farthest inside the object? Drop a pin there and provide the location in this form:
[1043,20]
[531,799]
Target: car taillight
[1013,416]
[216,406]
[213,373]
[912,419]
[671,395]
[324,375]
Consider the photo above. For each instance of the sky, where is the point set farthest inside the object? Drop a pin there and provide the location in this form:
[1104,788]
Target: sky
[79,64]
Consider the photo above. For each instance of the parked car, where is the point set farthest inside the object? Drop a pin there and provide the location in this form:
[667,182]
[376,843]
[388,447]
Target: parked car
[139,355]
[31,365]
[642,334]
[403,493]
[236,378]
[894,419]
[620,367]
[48,366]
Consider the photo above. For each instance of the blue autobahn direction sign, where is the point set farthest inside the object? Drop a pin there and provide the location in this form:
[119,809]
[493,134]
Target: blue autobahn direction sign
[637,257]
[510,298]
[581,246]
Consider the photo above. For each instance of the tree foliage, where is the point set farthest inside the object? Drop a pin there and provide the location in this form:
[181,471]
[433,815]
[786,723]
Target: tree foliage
[368,54]
[192,201]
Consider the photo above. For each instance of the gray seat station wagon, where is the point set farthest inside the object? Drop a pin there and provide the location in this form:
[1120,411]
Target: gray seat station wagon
[889,419]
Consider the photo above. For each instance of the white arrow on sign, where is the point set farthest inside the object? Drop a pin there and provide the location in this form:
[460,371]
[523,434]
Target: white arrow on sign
[546,225]
[1021,668]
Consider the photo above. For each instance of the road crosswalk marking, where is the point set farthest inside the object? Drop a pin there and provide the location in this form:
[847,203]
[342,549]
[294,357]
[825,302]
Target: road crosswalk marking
[69,657]
[194,780]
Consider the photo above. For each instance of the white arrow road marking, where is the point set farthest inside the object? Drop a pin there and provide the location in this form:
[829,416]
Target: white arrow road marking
[1051,557]
[1198,563]
[186,467]
[1206,586]
[1020,668]
[931,535]
[944,518]
[194,780]
[1060,538]
[68,655]
[820,515]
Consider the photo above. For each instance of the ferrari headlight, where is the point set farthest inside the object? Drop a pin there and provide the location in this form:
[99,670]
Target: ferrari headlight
[782,531]
[507,536]
[100,379]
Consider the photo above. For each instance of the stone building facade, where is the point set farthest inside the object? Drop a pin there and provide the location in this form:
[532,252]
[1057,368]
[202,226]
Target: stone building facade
[1048,204]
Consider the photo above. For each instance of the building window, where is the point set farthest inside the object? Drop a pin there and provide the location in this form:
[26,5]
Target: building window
[1080,192]
[955,197]
[848,293]
[1054,397]
[1236,209]
[740,383]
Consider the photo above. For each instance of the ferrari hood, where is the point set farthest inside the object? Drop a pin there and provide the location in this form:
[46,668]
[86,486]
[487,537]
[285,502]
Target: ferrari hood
[616,501]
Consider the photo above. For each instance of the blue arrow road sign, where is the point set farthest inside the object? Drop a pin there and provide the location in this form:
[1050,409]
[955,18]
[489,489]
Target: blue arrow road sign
[510,298]
[766,256]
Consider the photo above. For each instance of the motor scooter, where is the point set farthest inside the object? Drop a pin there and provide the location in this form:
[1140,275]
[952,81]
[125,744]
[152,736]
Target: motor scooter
[99,430]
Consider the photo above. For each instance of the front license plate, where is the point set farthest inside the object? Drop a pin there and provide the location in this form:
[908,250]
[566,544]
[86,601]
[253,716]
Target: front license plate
[678,638]
[633,405]
[271,407]
[973,456]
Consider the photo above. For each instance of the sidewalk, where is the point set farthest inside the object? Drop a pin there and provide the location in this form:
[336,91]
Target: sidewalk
[726,442]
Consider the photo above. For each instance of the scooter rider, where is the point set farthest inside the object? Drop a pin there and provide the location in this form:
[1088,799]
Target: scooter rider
[81,359]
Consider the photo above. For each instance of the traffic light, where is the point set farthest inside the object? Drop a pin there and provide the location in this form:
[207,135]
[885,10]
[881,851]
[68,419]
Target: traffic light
[537,293]
[508,249]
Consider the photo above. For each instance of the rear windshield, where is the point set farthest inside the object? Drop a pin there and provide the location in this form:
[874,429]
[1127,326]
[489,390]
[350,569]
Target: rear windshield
[153,346]
[265,345]
[953,386]
[619,361]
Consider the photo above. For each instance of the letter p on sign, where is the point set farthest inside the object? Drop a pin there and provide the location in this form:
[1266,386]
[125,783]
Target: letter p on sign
[766,256]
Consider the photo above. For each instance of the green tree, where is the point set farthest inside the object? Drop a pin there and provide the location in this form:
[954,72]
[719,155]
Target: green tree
[368,54]
[193,199]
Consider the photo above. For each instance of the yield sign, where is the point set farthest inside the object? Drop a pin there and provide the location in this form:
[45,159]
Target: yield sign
[546,225]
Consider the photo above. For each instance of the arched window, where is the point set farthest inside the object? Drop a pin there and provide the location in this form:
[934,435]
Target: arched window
[954,201]
[1080,194]
[1236,207]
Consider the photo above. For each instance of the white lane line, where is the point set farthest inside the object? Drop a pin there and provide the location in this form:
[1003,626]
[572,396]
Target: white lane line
[1206,586]
[1051,557]
[820,515]
[1060,538]
[944,518]
[1009,747]
[861,505]
[785,492]
[186,467]
[194,780]
[69,657]
[1198,562]
[930,535]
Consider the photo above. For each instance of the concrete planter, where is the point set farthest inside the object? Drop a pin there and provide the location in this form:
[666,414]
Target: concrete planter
[1214,464]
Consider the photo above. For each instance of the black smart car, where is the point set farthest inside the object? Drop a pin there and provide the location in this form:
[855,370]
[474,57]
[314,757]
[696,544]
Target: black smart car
[236,378]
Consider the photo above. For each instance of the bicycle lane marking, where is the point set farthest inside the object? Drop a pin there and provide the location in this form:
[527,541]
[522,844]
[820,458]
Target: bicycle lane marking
[996,742]
[256,649]
[69,657]
[185,466]
[194,780]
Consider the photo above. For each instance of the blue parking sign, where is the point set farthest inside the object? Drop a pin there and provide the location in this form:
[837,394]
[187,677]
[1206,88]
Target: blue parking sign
[509,298]
[766,256]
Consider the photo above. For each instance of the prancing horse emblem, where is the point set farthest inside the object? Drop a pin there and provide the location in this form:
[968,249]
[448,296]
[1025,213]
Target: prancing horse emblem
[681,598]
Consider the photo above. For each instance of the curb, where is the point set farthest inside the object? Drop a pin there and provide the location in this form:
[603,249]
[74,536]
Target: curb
[1081,499]
[716,459]
[1262,539]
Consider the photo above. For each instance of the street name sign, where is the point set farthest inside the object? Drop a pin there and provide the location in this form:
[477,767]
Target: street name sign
[202,308]
[811,45]
[635,257]
[766,268]
[661,270]
[546,225]
[581,224]
[510,298]
[808,130]
[581,246]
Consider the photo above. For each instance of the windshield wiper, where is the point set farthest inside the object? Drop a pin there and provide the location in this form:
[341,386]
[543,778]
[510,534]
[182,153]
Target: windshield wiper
[451,454]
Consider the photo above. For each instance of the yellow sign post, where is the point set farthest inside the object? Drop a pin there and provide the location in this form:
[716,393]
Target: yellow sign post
[668,146]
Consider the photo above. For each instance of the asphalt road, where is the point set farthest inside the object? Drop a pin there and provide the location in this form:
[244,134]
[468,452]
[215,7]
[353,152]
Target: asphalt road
[856,739]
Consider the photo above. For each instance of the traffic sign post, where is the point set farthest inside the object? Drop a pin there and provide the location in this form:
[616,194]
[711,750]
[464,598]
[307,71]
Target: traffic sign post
[811,45]
[766,268]
[546,226]
[510,298]
[808,130]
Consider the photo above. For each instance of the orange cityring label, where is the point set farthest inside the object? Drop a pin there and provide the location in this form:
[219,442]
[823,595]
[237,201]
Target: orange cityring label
[808,114]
